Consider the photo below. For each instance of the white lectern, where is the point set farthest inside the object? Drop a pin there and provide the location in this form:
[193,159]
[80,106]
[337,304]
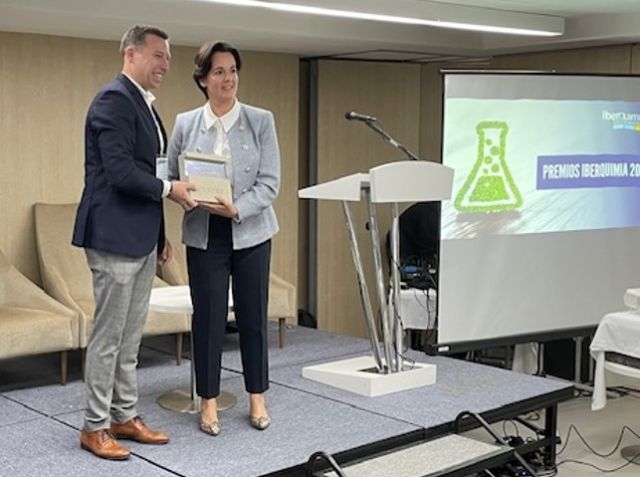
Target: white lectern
[386,370]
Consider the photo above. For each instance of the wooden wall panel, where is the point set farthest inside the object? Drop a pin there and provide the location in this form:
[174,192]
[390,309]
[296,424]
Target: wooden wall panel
[430,112]
[390,92]
[605,59]
[46,85]
[634,59]
[271,81]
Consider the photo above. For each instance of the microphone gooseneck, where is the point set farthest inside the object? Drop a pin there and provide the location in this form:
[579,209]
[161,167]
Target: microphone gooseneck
[353,116]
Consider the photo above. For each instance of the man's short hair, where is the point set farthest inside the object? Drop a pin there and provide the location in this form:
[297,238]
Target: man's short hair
[137,34]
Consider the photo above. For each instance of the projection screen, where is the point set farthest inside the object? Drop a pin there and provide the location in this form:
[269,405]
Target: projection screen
[542,229]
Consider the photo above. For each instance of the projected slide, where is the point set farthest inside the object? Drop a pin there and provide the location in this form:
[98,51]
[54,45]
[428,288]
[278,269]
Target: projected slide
[542,231]
[541,165]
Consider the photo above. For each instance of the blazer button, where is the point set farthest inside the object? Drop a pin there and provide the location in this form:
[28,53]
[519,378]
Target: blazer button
[241,128]
[198,149]
[244,190]
[247,169]
[203,130]
[245,147]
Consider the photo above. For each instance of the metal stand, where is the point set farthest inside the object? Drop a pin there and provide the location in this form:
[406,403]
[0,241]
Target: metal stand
[387,343]
[186,399]
[390,316]
[180,400]
[398,331]
[362,286]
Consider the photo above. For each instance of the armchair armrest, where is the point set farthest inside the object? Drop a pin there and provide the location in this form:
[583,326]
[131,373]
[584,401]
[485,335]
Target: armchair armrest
[58,289]
[23,293]
[20,292]
[282,299]
[172,273]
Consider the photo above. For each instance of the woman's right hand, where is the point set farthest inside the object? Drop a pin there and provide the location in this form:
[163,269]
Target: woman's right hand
[222,207]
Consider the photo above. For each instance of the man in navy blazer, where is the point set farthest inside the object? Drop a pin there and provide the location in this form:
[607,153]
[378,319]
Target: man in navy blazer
[119,223]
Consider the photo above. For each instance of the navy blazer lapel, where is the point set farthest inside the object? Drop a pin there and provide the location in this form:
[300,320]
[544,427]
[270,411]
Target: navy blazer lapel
[140,101]
[162,130]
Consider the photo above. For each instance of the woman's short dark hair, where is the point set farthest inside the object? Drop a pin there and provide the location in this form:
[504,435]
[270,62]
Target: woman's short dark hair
[204,59]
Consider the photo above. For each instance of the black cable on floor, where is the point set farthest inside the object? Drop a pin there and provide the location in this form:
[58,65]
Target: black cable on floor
[573,428]
[593,466]
[515,426]
[632,393]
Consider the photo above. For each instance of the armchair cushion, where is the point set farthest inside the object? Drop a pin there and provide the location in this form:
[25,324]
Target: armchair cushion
[28,331]
[30,321]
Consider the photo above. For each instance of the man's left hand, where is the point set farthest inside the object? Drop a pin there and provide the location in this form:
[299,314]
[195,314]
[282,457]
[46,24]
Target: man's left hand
[166,254]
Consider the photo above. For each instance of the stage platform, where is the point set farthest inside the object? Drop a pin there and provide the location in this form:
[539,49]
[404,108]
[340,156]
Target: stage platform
[39,427]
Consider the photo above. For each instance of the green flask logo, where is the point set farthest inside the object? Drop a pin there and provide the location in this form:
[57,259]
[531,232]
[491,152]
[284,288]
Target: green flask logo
[489,187]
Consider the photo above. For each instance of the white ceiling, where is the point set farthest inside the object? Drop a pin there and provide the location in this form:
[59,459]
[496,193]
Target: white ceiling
[190,22]
[565,8]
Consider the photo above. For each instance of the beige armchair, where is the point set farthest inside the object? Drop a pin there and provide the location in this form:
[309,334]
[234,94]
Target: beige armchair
[31,322]
[67,278]
[282,294]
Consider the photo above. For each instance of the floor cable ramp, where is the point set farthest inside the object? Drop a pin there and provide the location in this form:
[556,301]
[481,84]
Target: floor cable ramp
[452,455]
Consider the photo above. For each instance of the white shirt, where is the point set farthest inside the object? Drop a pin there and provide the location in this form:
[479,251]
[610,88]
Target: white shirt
[228,119]
[149,98]
[223,124]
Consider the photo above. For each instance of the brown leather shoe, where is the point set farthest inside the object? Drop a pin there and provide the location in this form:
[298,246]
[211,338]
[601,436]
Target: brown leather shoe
[103,444]
[136,430]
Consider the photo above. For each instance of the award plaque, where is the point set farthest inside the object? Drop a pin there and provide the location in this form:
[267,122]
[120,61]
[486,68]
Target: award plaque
[208,173]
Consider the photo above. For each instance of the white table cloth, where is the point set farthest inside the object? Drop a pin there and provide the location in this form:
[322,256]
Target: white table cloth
[419,309]
[619,333]
[175,299]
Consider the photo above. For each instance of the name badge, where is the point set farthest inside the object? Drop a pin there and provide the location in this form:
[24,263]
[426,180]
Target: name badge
[162,168]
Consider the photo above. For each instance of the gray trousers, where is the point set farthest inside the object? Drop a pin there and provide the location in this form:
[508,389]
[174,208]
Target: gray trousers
[121,288]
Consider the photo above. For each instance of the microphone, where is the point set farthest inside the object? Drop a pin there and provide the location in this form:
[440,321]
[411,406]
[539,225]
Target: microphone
[353,116]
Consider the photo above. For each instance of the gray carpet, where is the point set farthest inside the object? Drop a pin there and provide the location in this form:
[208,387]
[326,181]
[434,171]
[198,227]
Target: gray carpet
[460,385]
[302,424]
[157,373]
[46,448]
[12,412]
[40,425]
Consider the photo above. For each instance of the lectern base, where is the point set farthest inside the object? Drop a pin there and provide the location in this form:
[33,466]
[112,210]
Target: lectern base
[355,375]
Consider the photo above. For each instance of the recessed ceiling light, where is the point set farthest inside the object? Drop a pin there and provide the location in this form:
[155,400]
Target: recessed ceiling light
[436,22]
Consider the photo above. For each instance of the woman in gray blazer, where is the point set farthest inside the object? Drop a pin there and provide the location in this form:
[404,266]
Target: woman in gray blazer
[229,238]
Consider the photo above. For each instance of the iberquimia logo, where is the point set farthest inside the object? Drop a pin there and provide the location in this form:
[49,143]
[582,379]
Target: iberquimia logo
[620,116]
[622,120]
